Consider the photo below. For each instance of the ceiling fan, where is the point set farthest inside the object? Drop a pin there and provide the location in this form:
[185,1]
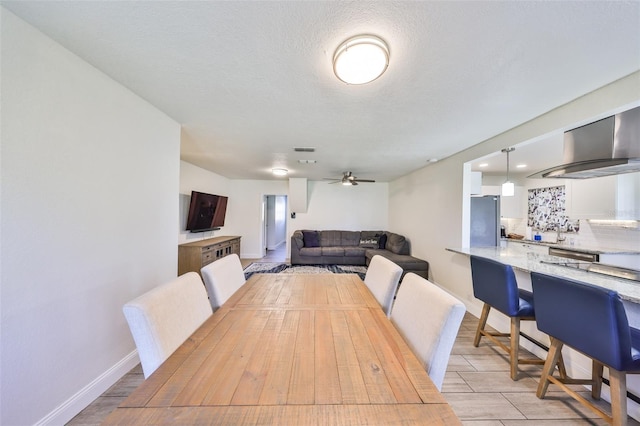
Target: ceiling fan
[348,179]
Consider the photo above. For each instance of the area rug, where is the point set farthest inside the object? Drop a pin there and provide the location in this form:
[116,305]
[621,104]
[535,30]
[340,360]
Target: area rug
[284,268]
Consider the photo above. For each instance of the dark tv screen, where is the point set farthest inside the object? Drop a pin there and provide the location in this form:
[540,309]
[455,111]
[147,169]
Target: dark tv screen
[206,211]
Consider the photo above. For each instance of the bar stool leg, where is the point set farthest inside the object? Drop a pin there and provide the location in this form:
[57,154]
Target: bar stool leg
[596,376]
[555,350]
[515,346]
[481,324]
[618,387]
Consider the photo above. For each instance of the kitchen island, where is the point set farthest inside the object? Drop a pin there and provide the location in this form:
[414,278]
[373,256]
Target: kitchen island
[525,260]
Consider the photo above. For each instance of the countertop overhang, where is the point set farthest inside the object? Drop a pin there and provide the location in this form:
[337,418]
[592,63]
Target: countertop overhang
[579,249]
[522,259]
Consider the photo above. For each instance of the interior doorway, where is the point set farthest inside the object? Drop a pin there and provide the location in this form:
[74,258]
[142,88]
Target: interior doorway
[274,233]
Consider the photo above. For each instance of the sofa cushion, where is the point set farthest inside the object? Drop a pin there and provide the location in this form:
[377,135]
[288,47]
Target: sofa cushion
[354,251]
[298,240]
[370,242]
[310,238]
[405,261]
[396,243]
[350,238]
[369,234]
[382,241]
[311,251]
[330,238]
[332,251]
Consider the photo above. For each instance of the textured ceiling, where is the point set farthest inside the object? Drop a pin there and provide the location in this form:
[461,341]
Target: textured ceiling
[249,81]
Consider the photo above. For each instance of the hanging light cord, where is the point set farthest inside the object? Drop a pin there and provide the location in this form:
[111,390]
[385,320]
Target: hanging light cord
[508,150]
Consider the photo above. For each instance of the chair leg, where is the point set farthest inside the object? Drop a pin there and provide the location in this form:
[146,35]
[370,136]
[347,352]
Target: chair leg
[562,369]
[618,387]
[555,350]
[596,375]
[514,339]
[481,324]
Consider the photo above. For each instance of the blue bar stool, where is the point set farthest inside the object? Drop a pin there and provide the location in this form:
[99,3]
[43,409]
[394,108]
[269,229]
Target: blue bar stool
[591,320]
[495,284]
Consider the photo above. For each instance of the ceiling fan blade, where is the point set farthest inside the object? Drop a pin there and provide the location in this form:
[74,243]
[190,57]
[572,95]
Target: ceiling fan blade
[365,180]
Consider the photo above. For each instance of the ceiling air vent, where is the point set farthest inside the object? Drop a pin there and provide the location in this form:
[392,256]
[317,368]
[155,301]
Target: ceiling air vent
[304,149]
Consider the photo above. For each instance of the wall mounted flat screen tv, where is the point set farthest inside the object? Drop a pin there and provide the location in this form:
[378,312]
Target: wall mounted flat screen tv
[206,211]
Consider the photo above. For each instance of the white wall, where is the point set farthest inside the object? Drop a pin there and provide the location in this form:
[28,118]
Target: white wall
[89,179]
[329,206]
[355,208]
[193,178]
[244,209]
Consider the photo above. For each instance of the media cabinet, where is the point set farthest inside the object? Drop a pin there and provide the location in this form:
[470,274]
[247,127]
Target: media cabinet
[193,256]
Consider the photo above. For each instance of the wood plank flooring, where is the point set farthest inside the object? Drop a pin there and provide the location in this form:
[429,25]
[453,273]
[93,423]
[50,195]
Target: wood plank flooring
[477,385]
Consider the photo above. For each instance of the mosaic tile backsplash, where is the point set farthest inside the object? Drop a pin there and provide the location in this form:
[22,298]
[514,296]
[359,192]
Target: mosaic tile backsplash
[547,210]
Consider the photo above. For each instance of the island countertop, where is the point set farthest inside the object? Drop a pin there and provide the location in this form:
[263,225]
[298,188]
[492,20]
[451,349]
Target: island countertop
[525,260]
[580,249]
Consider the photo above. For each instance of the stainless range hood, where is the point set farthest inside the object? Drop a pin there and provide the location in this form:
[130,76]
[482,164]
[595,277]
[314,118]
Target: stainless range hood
[609,146]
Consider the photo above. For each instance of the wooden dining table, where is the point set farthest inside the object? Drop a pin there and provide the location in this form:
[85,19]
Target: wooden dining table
[294,349]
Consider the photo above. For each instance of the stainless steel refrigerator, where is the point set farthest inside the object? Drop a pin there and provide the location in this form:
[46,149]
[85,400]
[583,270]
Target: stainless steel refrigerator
[485,221]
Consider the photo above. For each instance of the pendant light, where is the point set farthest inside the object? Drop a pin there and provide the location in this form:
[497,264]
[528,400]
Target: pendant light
[508,188]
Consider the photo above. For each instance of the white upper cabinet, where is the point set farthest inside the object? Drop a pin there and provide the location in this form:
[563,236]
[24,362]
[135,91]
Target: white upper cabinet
[609,197]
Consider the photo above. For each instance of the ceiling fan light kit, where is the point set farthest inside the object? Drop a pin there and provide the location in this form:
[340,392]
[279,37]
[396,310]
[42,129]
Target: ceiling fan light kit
[348,179]
[361,59]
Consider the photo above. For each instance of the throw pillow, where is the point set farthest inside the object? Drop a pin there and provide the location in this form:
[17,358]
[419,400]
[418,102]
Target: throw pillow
[382,241]
[311,238]
[371,242]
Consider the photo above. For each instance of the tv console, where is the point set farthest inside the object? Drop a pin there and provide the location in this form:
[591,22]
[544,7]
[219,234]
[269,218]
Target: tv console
[193,256]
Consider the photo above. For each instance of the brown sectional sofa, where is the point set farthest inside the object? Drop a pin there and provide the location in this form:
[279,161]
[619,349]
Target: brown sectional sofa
[310,247]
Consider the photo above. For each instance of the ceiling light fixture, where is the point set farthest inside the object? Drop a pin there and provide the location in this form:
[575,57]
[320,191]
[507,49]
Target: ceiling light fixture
[508,188]
[361,59]
[280,172]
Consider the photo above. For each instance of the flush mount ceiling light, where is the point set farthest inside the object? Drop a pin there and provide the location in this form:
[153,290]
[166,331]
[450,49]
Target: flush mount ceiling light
[508,188]
[280,172]
[361,59]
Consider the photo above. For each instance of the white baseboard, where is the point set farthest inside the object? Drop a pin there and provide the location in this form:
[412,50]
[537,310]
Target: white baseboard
[85,396]
[276,246]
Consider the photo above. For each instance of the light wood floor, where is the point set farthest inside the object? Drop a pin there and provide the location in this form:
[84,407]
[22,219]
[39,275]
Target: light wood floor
[477,385]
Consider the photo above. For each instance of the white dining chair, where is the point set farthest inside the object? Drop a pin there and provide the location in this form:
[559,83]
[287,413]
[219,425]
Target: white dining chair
[223,278]
[428,318]
[382,279]
[164,317]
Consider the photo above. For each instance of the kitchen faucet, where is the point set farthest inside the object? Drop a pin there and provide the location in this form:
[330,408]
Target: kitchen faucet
[559,237]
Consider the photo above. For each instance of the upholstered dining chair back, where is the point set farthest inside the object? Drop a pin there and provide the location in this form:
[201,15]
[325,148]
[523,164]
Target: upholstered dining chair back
[495,284]
[164,317]
[588,318]
[223,278]
[593,321]
[382,279]
[429,319]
